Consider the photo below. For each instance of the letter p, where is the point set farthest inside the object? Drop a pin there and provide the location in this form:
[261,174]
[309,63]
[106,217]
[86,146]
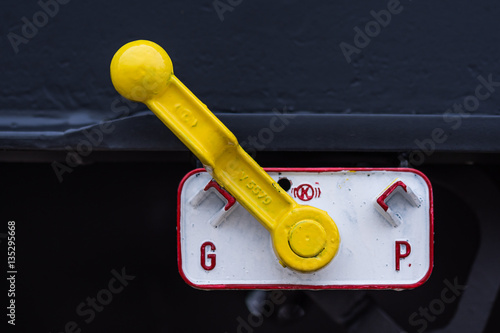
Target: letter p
[401,255]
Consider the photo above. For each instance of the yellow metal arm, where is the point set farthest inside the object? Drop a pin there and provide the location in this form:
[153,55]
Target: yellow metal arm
[304,238]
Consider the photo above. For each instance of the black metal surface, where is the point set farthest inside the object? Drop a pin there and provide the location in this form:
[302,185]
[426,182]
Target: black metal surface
[263,55]
[277,131]
[110,202]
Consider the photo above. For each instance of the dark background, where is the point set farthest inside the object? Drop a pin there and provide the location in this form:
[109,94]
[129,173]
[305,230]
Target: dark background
[117,208]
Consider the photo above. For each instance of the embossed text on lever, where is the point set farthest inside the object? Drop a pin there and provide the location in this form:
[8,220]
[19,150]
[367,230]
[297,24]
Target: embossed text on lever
[305,238]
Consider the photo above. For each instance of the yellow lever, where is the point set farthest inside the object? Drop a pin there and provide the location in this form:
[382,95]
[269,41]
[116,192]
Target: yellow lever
[305,238]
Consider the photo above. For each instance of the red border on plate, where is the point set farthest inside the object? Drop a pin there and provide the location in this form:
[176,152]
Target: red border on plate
[311,287]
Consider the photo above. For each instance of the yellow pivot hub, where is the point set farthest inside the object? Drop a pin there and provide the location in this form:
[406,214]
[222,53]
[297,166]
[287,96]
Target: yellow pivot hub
[305,238]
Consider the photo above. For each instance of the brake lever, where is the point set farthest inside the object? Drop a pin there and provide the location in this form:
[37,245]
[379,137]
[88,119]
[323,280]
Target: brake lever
[304,238]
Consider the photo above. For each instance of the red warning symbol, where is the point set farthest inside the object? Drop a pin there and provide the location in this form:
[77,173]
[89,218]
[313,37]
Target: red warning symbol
[306,192]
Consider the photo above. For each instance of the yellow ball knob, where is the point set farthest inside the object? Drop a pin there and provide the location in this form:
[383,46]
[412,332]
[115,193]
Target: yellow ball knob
[141,70]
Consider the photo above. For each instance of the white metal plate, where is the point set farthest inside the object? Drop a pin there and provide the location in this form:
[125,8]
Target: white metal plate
[238,253]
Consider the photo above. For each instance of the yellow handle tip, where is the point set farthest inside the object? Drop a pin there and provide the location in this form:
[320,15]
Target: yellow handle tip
[141,70]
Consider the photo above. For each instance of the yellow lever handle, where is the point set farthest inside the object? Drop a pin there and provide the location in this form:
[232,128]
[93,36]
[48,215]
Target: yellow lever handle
[305,238]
